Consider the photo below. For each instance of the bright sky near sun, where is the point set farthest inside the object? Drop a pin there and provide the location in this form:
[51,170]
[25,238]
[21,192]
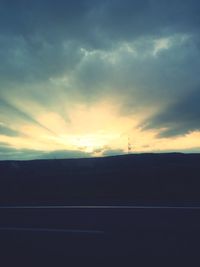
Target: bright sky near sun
[79,80]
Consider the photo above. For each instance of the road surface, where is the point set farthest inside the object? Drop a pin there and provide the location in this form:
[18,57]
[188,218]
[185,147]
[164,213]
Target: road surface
[99,236]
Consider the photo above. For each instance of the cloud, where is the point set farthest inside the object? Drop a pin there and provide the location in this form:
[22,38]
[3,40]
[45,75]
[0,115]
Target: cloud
[60,154]
[87,20]
[4,130]
[143,55]
[14,111]
[25,60]
[179,118]
[43,38]
[137,75]
[10,153]
[113,152]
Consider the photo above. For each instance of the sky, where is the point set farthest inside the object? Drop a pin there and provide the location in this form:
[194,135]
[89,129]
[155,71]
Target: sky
[79,78]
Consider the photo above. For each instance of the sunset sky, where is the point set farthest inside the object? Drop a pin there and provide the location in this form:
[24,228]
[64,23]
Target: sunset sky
[78,78]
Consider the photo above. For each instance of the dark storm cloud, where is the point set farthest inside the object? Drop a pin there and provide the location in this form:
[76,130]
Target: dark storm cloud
[24,60]
[46,39]
[142,78]
[180,117]
[41,39]
[86,19]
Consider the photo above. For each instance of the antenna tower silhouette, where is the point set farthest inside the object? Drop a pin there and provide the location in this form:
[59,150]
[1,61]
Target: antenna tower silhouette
[129,146]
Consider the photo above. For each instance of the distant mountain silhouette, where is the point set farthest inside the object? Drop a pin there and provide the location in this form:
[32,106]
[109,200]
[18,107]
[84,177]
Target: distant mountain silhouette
[172,179]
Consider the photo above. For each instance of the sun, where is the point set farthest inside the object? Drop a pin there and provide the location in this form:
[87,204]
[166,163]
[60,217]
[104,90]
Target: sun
[90,143]
[87,143]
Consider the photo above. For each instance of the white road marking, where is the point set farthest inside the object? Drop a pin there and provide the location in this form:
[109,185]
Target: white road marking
[51,230]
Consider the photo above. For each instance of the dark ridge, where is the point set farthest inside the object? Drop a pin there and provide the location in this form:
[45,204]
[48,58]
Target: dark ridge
[146,179]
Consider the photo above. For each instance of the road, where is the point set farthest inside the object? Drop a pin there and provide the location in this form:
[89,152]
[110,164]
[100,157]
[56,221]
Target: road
[99,236]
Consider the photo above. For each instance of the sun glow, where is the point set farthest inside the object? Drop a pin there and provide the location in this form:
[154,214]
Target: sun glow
[90,129]
[89,142]
[93,129]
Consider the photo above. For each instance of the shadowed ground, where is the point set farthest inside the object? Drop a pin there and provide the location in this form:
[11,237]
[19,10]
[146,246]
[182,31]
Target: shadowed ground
[100,236]
[157,179]
[160,225]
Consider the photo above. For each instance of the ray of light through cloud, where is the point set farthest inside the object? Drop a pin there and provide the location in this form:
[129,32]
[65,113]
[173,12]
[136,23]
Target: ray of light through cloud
[84,77]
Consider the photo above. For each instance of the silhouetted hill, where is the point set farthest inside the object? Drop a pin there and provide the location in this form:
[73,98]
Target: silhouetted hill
[172,178]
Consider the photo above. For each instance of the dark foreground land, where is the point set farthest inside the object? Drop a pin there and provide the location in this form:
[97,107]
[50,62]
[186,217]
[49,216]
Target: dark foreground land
[147,179]
[136,210]
[100,237]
